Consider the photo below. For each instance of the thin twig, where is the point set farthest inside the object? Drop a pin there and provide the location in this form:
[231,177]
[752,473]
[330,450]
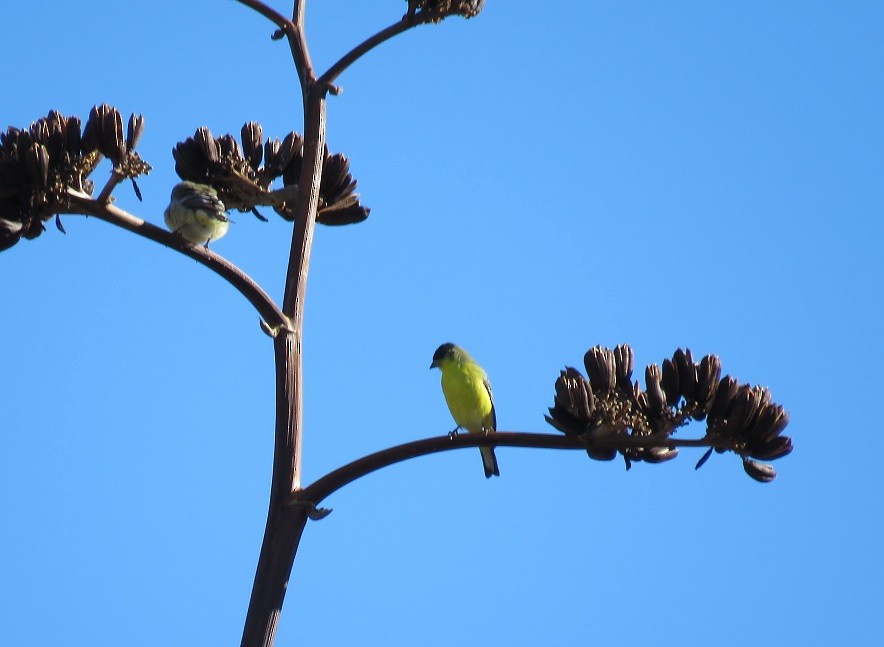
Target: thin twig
[293,29]
[115,178]
[268,12]
[326,81]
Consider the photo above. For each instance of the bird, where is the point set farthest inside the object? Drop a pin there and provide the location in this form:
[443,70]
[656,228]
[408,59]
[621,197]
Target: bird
[468,395]
[196,213]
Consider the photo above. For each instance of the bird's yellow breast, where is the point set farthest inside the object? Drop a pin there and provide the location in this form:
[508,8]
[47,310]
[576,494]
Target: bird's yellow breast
[467,395]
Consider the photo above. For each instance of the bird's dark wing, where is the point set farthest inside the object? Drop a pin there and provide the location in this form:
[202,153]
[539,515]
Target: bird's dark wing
[199,201]
[491,396]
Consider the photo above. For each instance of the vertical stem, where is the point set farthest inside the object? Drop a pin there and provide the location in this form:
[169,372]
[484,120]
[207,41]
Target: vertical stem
[285,523]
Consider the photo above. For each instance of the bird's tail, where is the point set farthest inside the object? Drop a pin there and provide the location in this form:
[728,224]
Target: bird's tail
[489,462]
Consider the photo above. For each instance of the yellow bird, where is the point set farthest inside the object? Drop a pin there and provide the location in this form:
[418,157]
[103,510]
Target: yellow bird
[196,214]
[468,394]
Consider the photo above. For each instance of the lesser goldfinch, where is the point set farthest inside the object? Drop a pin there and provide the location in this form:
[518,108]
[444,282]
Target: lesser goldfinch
[468,394]
[196,214]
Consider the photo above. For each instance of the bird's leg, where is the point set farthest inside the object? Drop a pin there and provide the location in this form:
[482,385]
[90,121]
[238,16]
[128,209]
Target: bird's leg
[453,433]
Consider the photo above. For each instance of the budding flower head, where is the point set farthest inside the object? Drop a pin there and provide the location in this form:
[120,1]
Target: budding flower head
[613,414]
[436,10]
[196,214]
[41,163]
[243,183]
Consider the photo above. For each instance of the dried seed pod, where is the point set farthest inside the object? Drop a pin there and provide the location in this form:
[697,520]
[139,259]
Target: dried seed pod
[55,138]
[252,136]
[600,368]
[771,422]
[134,130]
[92,132]
[656,398]
[338,203]
[228,147]
[669,382]
[759,471]
[601,454]
[271,157]
[723,401]
[439,9]
[624,360]
[772,449]
[659,454]
[708,376]
[10,233]
[683,361]
[573,404]
[207,145]
[36,165]
[291,151]
[743,411]
[113,143]
[73,136]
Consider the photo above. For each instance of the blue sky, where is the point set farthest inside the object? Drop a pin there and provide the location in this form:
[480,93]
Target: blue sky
[541,181]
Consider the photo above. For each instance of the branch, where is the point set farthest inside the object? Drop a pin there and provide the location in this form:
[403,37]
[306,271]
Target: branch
[262,302]
[268,12]
[115,178]
[294,32]
[285,523]
[326,81]
[335,480]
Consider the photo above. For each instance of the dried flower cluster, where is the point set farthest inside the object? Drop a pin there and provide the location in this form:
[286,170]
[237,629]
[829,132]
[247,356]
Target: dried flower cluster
[439,9]
[39,164]
[609,405]
[243,183]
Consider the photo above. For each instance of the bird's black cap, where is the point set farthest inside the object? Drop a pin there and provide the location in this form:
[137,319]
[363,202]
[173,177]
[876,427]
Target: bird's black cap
[441,352]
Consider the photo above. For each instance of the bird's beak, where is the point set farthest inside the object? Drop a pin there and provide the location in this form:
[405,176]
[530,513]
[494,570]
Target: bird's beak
[434,365]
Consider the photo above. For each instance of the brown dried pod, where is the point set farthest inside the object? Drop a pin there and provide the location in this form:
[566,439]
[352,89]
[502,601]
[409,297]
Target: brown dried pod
[111,142]
[759,471]
[228,147]
[346,212]
[708,377]
[669,382]
[10,232]
[291,149]
[115,139]
[624,360]
[337,183]
[573,403]
[207,145]
[36,166]
[656,398]
[600,368]
[73,136]
[772,449]
[771,422]
[55,141]
[134,130]
[723,401]
[658,454]
[683,361]
[439,9]
[252,136]
[91,140]
[747,403]
[601,454]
